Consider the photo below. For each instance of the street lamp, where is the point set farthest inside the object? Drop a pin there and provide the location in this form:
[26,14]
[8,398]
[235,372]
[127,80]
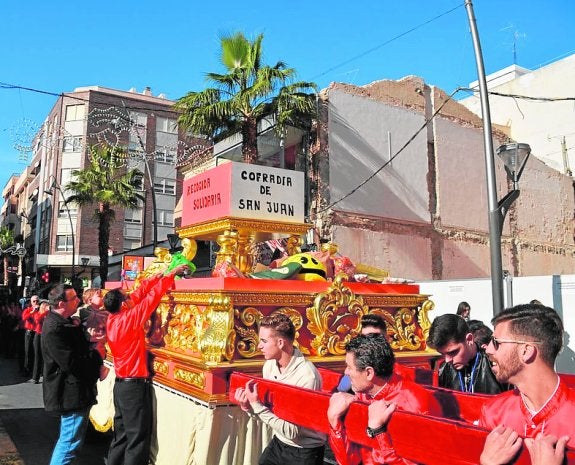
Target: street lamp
[50,192]
[510,154]
[174,240]
[514,157]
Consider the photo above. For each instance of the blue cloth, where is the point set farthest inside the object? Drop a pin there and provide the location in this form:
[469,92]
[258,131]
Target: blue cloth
[73,427]
[344,384]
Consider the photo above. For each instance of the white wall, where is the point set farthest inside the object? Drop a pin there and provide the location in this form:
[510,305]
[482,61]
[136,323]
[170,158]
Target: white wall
[555,291]
[539,123]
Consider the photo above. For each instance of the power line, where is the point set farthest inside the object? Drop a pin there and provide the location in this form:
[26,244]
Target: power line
[387,42]
[4,85]
[521,97]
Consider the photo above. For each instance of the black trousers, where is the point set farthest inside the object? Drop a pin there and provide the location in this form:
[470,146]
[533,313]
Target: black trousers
[278,453]
[132,423]
[29,350]
[38,359]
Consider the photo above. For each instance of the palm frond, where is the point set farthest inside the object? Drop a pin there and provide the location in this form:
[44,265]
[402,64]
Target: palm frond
[247,92]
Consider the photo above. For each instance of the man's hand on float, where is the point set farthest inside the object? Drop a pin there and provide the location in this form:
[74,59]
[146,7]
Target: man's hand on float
[242,399]
[379,413]
[501,445]
[252,391]
[181,270]
[338,406]
[546,450]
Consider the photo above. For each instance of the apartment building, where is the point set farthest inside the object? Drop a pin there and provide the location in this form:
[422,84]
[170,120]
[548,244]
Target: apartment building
[537,107]
[62,239]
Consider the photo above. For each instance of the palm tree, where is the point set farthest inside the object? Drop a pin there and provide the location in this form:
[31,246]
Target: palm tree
[106,183]
[6,241]
[246,94]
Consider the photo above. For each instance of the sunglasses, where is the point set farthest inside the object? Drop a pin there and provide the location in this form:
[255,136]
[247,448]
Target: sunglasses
[496,342]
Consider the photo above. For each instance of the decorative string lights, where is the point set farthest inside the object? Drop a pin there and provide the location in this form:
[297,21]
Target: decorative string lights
[118,127]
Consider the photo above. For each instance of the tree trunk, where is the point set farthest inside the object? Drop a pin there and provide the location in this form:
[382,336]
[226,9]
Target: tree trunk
[104,219]
[250,140]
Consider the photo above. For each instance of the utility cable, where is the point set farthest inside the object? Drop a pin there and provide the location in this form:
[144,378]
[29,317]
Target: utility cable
[387,42]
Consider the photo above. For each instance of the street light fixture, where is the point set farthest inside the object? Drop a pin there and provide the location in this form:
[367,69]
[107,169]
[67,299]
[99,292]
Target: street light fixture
[514,156]
[50,192]
[173,240]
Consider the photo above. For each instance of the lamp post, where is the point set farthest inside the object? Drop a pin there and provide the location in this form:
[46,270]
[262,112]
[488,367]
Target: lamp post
[497,210]
[50,192]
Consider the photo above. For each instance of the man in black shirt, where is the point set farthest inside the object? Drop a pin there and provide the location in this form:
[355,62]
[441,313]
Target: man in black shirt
[466,366]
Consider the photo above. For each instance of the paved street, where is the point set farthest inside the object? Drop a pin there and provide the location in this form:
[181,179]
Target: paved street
[30,429]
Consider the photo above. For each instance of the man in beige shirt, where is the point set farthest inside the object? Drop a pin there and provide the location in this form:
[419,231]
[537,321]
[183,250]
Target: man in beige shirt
[284,363]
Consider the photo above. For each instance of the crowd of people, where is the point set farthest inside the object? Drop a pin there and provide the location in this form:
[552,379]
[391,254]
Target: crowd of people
[62,345]
[531,407]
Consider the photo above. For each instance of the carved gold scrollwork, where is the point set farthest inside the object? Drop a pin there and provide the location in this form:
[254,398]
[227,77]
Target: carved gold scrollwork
[248,337]
[335,318]
[160,367]
[423,317]
[157,325]
[183,327]
[218,339]
[402,330]
[195,379]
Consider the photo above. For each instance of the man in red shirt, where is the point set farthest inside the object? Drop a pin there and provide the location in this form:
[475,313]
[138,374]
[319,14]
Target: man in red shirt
[369,364]
[540,410]
[373,323]
[29,325]
[133,390]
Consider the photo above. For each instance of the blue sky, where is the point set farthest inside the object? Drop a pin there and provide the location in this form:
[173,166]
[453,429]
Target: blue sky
[56,47]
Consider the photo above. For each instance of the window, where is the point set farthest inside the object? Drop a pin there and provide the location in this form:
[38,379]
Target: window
[65,177]
[72,144]
[133,216]
[74,112]
[130,244]
[165,217]
[64,243]
[166,155]
[137,133]
[139,120]
[165,186]
[166,125]
[63,211]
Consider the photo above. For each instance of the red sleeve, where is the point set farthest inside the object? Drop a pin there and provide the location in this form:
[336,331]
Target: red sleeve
[385,453]
[26,317]
[345,452]
[147,284]
[411,398]
[150,300]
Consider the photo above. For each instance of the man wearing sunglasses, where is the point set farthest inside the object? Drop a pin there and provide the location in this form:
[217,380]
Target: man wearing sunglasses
[466,366]
[540,410]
